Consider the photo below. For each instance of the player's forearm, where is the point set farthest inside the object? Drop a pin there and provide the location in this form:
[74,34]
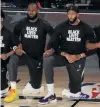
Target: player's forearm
[10,53]
[91,46]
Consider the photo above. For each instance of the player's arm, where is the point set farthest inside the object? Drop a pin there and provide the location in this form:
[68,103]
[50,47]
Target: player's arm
[12,43]
[17,32]
[18,49]
[53,44]
[91,46]
[5,56]
[49,29]
[91,39]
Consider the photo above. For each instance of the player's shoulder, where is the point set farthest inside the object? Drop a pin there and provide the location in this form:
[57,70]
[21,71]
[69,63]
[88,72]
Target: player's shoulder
[7,31]
[23,20]
[86,26]
[45,22]
[97,27]
[61,25]
[21,23]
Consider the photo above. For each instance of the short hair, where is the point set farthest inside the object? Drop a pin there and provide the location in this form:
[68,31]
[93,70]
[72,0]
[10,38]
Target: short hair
[73,7]
[32,3]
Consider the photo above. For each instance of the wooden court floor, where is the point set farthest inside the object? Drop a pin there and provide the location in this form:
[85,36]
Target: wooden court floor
[61,82]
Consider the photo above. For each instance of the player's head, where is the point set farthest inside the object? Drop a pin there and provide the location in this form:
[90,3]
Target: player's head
[2,17]
[32,11]
[72,14]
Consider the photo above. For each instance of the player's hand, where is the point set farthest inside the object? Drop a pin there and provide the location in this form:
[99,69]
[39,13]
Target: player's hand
[3,56]
[69,57]
[98,45]
[72,58]
[19,52]
[49,52]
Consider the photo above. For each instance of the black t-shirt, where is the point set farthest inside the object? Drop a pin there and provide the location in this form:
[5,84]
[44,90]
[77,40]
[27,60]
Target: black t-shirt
[97,32]
[6,40]
[33,36]
[71,38]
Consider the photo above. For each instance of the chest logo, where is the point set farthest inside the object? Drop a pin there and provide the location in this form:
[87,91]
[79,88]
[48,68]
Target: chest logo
[1,44]
[31,32]
[73,35]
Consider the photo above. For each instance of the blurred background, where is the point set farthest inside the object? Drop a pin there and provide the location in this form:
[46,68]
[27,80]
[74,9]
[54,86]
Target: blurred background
[54,4]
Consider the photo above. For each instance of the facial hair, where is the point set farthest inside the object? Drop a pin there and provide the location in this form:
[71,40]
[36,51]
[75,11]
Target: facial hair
[74,20]
[32,18]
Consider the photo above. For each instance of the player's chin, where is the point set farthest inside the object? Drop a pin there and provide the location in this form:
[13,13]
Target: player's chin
[71,20]
[31,16]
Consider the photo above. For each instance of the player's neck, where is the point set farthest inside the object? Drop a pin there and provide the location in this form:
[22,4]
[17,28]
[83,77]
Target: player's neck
[33,20]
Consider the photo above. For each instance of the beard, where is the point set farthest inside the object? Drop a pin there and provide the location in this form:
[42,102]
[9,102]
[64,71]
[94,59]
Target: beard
[33,17]
[72,22]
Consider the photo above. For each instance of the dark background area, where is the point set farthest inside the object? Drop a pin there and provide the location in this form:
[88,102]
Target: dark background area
[61,4]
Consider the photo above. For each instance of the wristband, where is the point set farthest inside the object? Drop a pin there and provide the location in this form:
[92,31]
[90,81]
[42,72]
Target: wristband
[81,55]
[14,48]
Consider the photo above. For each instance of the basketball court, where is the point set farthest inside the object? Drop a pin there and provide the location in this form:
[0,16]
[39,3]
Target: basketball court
[61,82]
